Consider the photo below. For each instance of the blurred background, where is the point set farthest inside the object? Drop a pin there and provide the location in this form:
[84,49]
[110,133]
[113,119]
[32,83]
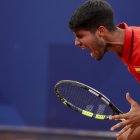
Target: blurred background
[37,50]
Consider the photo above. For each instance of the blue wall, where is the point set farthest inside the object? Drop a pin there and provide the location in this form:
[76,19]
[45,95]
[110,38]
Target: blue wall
[37,50]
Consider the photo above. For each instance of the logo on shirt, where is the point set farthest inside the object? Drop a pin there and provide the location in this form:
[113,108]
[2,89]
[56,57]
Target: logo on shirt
[137,69]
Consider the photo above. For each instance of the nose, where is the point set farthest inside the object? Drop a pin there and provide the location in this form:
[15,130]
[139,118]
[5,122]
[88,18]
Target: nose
[77,42]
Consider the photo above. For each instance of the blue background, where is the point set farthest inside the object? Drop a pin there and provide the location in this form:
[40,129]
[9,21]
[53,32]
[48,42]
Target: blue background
[37,50]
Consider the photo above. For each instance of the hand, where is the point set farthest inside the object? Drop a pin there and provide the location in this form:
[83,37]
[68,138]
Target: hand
[131,119]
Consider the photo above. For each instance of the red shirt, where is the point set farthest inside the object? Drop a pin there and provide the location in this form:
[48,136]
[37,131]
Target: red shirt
[131,51]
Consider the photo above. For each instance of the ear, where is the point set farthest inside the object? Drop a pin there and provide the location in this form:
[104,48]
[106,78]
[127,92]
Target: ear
[101,31]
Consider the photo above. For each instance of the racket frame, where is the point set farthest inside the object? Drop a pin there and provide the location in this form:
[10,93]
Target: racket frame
[91,90]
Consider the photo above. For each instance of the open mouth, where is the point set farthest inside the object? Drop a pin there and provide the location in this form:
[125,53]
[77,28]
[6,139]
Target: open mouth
[92,55]
[82,47]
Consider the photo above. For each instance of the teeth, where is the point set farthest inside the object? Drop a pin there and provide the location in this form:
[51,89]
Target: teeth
[83,48]
[91,54]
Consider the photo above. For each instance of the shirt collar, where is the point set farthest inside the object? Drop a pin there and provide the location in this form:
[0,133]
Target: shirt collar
[127,42]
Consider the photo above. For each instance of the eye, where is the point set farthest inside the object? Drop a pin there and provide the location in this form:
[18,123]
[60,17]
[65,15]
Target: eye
[79,36]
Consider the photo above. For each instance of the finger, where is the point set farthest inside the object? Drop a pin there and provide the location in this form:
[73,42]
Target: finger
[118,117]
[130,99]
[123,130]
[118,125]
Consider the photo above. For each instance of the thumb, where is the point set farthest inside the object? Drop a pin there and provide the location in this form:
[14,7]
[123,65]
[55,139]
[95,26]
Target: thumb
[130,99]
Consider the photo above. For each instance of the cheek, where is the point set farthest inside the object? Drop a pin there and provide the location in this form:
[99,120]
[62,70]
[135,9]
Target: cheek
[92,41]
[99,43]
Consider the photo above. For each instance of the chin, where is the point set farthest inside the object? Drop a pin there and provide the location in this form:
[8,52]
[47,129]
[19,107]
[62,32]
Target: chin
[99,58]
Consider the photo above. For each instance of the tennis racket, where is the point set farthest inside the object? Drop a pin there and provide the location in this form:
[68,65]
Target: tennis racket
[85,100]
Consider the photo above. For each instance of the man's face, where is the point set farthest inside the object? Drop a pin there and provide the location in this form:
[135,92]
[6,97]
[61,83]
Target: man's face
[87,40]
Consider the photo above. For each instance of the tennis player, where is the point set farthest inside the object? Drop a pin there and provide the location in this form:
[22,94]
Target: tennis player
[93,26]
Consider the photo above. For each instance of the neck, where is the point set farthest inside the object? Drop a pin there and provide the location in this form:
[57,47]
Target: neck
[116,41]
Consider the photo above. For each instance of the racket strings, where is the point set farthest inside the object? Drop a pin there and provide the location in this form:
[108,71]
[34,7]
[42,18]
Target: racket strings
[82,98]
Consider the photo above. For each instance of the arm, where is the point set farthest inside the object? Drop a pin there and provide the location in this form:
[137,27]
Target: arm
[132,118]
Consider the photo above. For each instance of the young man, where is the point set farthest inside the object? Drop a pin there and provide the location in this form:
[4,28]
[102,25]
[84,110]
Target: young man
[94,29]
